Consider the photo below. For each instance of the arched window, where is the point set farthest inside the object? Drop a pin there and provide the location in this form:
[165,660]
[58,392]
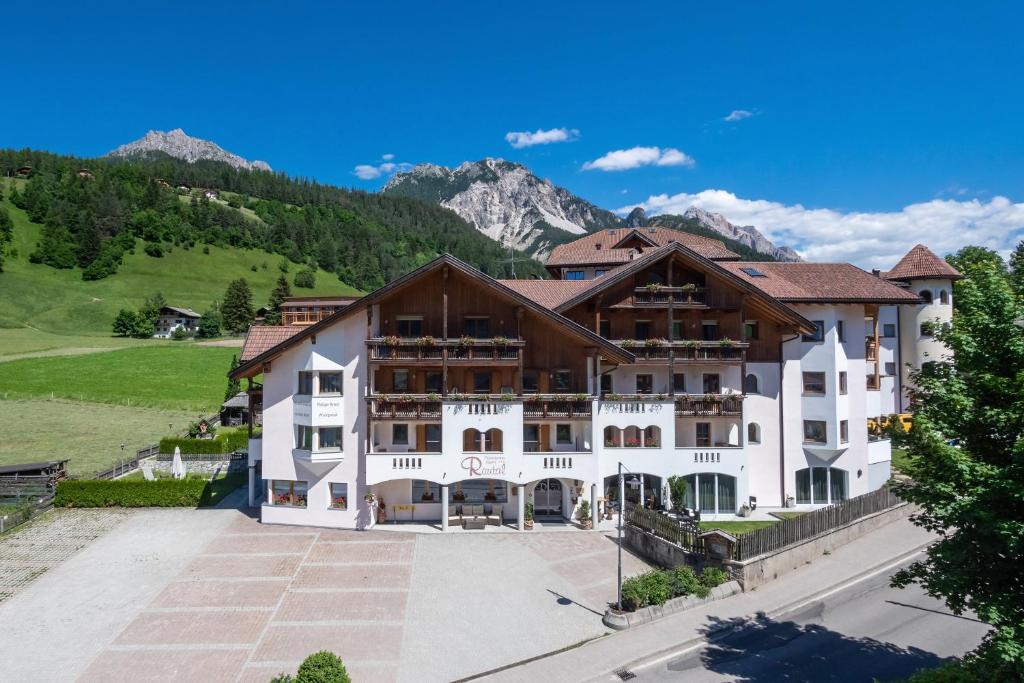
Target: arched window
[475,441]
[753,433]
[631,437]
[750,384]
[821,485]
[612,437]
[943,297]
[926,295]
[652,437]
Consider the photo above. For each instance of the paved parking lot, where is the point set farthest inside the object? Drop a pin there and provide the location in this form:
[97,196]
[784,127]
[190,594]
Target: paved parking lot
[243,601]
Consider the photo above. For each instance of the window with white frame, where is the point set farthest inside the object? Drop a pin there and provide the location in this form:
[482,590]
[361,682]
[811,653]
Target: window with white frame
[819,332]
[399,435]
[305,383]
[339,496]
[753,433]
[288,493]
[563,434]
[303,437]
[814,383]
[843,382]
[815,431]
[330,383]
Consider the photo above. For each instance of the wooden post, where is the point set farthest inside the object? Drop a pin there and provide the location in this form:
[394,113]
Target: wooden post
[248,393]
[671,336]
[520,352]
[444,332]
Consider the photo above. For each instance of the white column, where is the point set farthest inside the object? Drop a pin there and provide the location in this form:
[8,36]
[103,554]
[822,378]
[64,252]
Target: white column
[593,505]
[444,508]
[316,383]
[643,501]
[521,508]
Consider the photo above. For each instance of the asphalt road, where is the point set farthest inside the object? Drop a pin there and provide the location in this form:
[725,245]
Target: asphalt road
[865,632]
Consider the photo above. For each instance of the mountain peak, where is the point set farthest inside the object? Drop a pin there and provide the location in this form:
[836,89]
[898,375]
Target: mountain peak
[637,218]
[180,145]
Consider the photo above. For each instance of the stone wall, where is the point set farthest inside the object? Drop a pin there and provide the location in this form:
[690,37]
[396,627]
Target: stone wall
[204,466]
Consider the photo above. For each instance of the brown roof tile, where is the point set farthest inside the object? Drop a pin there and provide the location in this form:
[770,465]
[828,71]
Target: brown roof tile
[585,251]
[548,293]
[820,282]
[920,263]
[262,338]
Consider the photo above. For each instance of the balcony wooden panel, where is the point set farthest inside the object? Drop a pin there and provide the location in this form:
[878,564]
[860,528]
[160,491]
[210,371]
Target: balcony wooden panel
[405,407]
[555,406]
[709,405]
[686,351]
[482,352]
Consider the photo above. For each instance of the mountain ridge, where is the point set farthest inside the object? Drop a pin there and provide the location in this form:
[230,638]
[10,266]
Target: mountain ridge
[507,202]
[180,145]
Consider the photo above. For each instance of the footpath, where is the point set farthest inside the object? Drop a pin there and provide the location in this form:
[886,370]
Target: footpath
[879,551]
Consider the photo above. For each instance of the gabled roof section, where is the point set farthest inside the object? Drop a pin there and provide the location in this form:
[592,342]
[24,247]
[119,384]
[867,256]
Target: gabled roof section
[821,283]
[548,293]
[602,247]
[721,270]
[187,312]
[608,349]
[922,263]
[261,338]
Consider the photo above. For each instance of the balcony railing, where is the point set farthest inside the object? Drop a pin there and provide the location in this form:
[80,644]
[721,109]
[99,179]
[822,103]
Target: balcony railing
[686,351]
[405,407]
[428,349]
[709,405]
[870,349]
[536,406]
[663,296]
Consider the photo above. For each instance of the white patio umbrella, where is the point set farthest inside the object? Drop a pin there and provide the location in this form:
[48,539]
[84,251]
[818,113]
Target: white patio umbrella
[177,466]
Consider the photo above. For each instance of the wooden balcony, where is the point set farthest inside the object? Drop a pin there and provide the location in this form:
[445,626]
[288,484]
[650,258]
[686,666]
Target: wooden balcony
[430,351]
[405,407]
[689,351]
[870,349]
[709,405]
[556,406]
[661,297]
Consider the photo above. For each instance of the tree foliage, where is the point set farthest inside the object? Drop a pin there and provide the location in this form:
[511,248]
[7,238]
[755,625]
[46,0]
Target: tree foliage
[281,292]
[236,311]
[234,385]
[967,450]
[367,239]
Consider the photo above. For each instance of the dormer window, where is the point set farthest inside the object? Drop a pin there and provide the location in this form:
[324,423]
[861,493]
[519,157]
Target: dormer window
[597,246]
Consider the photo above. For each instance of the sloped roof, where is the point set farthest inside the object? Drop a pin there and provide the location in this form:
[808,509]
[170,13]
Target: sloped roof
[600,247]
[187,312]
[820,282]
[548,293]
[239,400]
[920,263]
[247,367]
[262,338]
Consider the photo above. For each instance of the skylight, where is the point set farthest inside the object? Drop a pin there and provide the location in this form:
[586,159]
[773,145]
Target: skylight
[753,272]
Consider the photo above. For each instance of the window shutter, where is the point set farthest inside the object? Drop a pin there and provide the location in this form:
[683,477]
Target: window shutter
[421,438]
[545,437]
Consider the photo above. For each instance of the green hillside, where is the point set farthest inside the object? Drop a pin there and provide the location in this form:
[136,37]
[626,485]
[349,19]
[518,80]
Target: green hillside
[59,301]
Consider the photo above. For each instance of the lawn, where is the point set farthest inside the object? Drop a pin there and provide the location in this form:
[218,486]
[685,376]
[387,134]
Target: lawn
[178,376]
[61,303]
[90,434]
[901,461]
[786,515]
[736,528]
[27,342]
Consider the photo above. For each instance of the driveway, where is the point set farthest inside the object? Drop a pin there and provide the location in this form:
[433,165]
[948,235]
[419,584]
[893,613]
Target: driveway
[213,595]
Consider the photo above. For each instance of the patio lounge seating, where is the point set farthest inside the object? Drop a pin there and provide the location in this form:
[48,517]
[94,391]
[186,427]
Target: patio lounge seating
[495,516]
[454,515]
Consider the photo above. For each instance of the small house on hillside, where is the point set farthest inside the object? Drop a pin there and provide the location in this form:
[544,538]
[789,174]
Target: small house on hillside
[211,194]
[235,410]
[171,318]
[85,173]
[23,172]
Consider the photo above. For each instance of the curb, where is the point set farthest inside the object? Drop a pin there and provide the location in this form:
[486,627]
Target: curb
[620,621]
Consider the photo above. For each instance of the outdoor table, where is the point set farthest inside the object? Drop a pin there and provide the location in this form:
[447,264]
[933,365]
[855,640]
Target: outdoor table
[395,509]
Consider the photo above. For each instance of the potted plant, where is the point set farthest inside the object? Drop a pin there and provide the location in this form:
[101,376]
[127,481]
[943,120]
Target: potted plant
[744,511]
[426,341]
[610,496]
[689,288]
[584,515]
[653,287]
[580,397]
[506,397]
[433,397]
[726,343]
[528,516]
[501,340]
[614,397]
[465,340]
[654,343]
[392,340]
[628,344]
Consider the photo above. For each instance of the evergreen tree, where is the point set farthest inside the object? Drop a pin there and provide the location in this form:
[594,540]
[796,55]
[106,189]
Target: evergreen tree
[234,386]
[6,226]
[152,306]
[56,248]
[277,297]
[88,242]
[971,493]
[1017,268]
[209,325]
[236,311]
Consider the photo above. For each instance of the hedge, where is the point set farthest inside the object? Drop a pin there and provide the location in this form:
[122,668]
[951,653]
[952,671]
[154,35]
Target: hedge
[227,442]
[658,586]
[99,493]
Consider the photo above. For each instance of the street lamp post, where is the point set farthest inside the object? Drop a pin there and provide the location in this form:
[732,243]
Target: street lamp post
[622,512]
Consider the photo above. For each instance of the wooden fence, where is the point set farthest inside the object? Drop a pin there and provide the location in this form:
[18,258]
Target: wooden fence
[24,513]
[810,524]
[772,538]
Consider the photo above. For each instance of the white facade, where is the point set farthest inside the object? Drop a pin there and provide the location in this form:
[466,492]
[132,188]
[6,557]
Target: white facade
[917,346]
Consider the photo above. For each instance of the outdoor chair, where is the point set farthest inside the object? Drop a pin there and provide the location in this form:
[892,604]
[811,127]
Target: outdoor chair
[495,517]
[454,515]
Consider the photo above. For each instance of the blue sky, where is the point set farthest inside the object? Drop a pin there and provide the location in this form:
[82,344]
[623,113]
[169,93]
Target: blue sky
[870,127]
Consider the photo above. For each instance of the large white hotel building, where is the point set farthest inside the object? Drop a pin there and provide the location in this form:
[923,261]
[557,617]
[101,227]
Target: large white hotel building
[447,394]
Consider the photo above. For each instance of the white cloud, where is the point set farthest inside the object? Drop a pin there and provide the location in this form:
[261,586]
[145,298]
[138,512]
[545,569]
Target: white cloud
[374,171]
[635,157]
[520,139]
[738,115]
[868,239]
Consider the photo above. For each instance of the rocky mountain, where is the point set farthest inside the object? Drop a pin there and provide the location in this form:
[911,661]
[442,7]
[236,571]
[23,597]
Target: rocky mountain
[746,235]
[506,202]
[180,145]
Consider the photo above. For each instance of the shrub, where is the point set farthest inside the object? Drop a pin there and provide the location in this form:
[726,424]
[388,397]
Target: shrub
[226,442]
[154,250]
[305,278]
[322,667]
[99,493]
[659,585]
[179,334]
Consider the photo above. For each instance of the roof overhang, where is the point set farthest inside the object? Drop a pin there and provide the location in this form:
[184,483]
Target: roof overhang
[784,312]
[608,350]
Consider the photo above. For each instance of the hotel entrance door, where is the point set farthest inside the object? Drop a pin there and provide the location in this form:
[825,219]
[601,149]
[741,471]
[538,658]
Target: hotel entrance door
[547,498]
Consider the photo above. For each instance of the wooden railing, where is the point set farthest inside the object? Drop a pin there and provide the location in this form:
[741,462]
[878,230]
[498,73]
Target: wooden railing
[663,296]
[686,351]
[432,350]
[556,406]
[709,404]
[406,406]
